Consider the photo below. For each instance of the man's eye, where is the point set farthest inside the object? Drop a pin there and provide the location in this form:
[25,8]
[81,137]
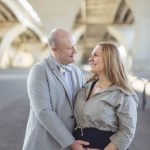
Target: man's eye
[68,49]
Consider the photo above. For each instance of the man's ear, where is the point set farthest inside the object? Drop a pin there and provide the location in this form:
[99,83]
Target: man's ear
[54,49]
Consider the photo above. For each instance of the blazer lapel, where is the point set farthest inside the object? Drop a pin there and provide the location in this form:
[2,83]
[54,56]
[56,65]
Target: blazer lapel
[75,86]
[55,71]
[62,81]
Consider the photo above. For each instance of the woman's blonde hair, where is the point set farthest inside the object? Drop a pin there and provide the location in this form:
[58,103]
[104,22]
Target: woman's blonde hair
[113,65]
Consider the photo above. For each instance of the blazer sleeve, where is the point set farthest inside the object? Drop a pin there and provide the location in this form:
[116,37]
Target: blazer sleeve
[127,119]
[38,92]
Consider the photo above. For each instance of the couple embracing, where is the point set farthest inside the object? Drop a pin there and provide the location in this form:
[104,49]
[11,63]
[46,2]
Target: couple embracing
[68,113]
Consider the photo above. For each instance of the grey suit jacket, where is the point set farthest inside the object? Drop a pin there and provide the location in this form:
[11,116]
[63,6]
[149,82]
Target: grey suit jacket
[51,109]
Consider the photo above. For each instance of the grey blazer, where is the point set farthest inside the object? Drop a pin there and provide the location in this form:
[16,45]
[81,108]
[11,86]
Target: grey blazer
[51,109]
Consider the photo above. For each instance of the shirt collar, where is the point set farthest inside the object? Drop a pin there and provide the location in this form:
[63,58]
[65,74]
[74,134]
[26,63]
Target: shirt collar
[63,67]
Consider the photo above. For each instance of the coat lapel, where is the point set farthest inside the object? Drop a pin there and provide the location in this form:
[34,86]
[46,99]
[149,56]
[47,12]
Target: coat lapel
[88,88]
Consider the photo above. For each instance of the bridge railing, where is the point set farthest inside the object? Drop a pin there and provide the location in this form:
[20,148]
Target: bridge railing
[143,86]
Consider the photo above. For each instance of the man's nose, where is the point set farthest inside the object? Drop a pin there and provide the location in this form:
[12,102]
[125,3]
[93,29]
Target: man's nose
[74,50]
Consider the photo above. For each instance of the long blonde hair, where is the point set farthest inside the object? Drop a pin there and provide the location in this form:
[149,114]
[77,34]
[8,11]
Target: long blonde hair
[113,66]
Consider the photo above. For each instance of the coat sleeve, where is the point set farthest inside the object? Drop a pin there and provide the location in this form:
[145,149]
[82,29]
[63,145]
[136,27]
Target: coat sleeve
[38,92]
[127,119]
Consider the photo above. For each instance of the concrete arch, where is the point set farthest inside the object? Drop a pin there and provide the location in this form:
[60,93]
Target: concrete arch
[9,36]
[79,32]
[25,18]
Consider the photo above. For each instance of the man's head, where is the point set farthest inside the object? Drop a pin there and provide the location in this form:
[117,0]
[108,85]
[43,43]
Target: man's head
[62,45]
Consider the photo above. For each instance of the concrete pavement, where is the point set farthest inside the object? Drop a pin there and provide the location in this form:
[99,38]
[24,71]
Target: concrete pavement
[14,110]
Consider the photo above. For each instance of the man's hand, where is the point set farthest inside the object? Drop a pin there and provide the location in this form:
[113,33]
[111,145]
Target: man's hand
[78,145]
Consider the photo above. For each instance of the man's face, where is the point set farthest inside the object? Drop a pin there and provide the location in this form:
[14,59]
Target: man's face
[65,50]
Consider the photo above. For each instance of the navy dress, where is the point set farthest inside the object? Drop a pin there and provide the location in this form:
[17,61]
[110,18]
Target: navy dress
[97,138]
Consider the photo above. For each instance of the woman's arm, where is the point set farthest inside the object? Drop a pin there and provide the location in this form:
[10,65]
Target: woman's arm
[126,114]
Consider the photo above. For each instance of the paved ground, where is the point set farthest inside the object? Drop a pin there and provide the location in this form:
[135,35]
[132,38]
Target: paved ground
[14,109]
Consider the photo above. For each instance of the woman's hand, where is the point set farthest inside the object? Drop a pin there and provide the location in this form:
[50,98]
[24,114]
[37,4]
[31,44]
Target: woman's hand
[110,146]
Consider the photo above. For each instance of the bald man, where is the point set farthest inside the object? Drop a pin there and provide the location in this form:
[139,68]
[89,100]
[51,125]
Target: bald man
[52,87]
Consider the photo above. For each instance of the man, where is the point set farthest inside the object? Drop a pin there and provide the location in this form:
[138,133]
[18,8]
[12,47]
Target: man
[52,87]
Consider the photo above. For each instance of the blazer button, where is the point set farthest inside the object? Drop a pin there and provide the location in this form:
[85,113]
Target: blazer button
[72,117]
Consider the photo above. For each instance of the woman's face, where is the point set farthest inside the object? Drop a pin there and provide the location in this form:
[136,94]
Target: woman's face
[96,61]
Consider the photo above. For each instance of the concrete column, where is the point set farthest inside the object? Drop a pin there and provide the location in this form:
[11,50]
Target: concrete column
[141,42]
[124,35]
[77,34]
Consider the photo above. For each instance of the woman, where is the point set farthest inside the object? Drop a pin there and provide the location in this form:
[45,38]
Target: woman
[106,108]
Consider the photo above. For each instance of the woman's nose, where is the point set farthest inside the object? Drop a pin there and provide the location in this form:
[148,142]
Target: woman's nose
[90,59]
